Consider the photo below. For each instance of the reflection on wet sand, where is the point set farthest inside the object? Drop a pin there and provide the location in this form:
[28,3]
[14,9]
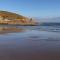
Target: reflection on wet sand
[6,29]
[29,45]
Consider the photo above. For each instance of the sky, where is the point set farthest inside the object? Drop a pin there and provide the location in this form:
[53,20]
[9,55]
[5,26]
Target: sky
[32,8]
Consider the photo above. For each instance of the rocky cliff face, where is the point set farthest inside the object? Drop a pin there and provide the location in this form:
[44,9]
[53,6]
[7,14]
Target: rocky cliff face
[13,18]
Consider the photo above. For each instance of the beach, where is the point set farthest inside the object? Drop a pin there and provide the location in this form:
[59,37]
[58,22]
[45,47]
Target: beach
[29,44]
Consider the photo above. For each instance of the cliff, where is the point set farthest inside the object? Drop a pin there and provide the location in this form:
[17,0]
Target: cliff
[13,18]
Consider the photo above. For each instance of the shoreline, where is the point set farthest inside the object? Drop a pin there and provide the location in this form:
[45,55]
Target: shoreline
[19,25]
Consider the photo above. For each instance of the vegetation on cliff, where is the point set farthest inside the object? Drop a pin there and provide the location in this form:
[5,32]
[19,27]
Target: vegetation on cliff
[13,18]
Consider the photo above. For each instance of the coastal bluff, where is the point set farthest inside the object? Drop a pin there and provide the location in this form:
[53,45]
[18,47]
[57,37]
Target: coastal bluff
[15,19]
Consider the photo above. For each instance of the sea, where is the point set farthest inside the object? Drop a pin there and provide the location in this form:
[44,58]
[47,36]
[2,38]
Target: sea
[40,42]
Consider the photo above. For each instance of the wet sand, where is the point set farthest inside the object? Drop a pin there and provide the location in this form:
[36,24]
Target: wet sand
[28,51]
[30,45]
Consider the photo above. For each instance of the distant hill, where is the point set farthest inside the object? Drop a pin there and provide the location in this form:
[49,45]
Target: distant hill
[13,18]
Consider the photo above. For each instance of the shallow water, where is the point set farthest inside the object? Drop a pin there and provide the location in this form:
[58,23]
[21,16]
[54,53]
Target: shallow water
[29,43]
